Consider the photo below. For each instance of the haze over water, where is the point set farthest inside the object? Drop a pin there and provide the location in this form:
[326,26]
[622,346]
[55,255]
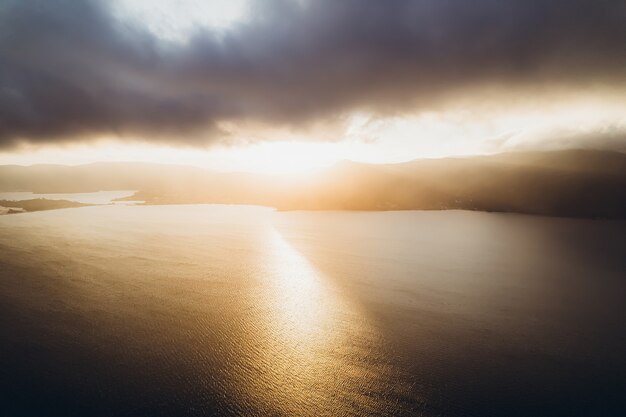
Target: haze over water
[239,310]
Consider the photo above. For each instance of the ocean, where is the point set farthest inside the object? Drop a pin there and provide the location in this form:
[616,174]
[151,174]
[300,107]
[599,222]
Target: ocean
[197,310]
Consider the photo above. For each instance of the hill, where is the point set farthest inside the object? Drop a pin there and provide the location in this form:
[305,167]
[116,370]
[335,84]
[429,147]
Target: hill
[574,183]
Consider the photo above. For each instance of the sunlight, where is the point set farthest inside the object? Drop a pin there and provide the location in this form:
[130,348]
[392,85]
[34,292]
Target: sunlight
[303,304]
[303,332]
[312,207]
[271,158]
[175,20]
[278,158]
[365,138]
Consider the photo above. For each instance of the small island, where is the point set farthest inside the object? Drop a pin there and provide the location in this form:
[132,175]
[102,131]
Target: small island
[36,204]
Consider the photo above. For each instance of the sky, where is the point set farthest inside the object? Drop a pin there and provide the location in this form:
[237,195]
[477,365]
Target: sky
[290,85]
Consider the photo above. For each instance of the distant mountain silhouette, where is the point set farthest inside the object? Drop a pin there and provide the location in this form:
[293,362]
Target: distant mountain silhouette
[574,183]
[35,204]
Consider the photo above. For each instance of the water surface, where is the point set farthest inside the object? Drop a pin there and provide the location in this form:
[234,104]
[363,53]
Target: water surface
[234,310]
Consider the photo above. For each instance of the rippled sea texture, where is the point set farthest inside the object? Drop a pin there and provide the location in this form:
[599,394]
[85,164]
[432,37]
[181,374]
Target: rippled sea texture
[220,310]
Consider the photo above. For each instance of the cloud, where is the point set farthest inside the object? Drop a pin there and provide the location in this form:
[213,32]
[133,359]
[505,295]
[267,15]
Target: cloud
[70,70]
[606,137]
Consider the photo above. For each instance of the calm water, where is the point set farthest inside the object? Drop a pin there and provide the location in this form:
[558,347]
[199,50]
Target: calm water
[221,310]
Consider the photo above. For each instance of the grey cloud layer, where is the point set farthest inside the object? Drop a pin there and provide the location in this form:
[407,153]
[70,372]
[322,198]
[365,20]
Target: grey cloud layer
[69,69]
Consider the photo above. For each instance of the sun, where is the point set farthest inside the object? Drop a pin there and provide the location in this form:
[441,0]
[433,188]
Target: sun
[278,158]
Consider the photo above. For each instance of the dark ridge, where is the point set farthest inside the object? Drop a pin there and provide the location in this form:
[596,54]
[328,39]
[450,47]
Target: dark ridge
[573,183]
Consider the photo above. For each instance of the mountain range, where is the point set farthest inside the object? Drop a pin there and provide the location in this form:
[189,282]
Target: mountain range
[572,183]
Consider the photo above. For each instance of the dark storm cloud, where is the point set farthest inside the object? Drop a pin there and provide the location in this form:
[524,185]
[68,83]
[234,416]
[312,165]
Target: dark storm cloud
[69,69]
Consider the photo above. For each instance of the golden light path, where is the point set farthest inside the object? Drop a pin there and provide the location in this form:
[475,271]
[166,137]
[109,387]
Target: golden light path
[304,304]
[312,341]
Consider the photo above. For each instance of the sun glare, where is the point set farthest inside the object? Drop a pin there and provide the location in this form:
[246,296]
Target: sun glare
[278,158]
[270,158]
[365,139]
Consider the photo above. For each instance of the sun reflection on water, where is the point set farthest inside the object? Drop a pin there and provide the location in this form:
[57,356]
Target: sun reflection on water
[302,336]
[304,304]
